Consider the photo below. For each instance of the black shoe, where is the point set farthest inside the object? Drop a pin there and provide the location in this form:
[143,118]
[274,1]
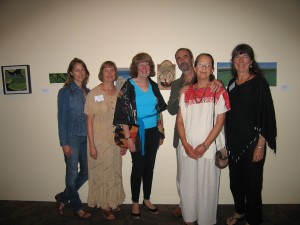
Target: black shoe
[135,215]
[154,211]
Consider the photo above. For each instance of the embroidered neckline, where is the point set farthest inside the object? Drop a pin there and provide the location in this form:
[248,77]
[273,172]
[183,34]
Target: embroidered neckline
[195,96]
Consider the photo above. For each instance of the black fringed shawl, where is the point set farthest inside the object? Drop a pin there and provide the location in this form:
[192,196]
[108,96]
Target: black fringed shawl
[125,112]
[252,113]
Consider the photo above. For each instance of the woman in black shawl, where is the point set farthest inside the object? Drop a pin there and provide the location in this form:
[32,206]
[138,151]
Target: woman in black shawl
[249,126]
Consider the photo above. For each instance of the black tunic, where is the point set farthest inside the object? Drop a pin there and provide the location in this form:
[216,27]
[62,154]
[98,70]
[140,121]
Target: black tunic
[252,113]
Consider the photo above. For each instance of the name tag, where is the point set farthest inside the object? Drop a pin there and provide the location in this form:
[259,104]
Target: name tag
[99,98]
[231,86]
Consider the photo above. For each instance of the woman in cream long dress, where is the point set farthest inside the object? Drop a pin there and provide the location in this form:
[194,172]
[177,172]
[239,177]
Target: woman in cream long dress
[105,157]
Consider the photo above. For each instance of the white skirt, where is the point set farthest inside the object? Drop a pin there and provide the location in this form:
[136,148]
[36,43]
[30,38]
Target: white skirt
[199,189]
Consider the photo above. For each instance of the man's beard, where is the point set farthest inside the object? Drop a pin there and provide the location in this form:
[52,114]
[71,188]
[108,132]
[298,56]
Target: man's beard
[184,67]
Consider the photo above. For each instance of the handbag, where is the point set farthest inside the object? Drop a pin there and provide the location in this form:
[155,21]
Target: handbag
[221,159]
[119,136]
[221,156]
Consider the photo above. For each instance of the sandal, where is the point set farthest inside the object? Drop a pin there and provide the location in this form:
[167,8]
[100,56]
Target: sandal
[82,214]
[177,212]
[235,219]
[59,205]
[108,215]
[117,209]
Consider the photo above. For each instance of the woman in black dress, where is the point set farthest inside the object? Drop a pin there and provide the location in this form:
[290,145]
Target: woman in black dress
[249,126]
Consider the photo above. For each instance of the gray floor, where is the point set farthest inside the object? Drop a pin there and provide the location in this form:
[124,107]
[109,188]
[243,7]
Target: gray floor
[44,213]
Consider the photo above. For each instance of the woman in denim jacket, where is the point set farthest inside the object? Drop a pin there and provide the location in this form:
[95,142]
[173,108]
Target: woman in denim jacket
[73,136]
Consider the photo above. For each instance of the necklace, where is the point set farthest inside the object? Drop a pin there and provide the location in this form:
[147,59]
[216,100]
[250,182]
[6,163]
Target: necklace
[201,97]
[240,82]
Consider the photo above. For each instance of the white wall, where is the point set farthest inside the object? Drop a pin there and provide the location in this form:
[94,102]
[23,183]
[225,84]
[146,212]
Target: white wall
[47,34]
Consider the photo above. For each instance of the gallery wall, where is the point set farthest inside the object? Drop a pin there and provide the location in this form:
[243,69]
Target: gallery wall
[47,34]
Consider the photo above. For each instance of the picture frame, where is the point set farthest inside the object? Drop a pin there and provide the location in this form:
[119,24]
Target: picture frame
[16,79]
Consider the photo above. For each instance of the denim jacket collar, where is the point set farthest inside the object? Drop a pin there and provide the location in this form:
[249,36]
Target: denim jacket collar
[74,86]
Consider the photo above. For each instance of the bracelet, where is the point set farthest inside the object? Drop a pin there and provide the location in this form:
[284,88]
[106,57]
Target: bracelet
[127,138]
[205,146]
[161,132]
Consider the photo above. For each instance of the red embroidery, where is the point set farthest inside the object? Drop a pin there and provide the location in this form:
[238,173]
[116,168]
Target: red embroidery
[205,95]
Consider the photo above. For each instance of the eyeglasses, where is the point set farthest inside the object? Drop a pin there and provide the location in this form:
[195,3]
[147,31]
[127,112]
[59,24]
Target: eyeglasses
[242,56]
[142,65]
[204,65]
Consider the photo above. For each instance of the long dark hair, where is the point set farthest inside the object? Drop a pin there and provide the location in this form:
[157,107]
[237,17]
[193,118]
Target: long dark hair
[70,78]
[245,49]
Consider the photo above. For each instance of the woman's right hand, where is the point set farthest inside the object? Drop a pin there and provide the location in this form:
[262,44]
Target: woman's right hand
[123,151]
[67,150]
[131,145]
[190,151]
[93,152]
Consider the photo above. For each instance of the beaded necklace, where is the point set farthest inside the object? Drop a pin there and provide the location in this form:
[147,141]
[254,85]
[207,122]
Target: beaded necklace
[201,97]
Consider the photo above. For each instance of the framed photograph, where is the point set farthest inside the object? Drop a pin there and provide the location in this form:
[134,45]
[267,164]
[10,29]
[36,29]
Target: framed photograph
[269,70]
[224,72]
[57,78]
[123,75]
[16,79]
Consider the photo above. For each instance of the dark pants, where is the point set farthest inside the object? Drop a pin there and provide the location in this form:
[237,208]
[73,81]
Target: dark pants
[143,166]
[246,178]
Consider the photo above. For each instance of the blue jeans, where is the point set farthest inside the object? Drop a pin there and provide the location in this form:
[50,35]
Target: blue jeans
[75,179]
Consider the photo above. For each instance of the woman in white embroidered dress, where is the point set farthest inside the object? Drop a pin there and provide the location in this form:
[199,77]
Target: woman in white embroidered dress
[199,177]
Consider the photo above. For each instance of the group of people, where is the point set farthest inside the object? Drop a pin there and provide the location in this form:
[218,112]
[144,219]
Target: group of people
[209,117]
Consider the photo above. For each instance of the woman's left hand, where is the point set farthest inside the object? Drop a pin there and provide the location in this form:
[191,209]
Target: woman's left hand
[131,145]
[161,141]
[200,149]
[259,151]
[258,154]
